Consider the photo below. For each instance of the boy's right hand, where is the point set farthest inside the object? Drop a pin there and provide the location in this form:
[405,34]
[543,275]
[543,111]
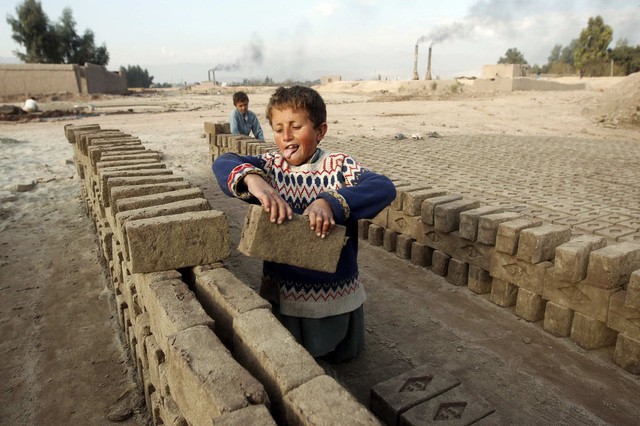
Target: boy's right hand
[269,198]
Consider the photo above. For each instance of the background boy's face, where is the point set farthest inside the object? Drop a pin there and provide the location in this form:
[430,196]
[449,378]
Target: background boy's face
[295,135]
[242,107]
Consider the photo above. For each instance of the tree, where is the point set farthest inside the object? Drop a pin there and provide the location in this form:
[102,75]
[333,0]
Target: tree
[53,43]
[512,56]
[136,76]
[625,57]
[591,52]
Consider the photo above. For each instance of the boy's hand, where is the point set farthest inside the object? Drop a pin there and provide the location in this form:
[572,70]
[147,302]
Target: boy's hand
[269,198]
[320,217]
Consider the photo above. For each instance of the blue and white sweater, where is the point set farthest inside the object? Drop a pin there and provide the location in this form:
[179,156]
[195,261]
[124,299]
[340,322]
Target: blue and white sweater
[352,191]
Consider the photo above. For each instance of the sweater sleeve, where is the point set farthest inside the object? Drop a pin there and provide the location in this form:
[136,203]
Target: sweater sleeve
[229,169]
[364,195]
[256,129]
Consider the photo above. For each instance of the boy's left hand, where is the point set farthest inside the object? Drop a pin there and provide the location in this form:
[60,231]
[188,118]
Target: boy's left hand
[320,217]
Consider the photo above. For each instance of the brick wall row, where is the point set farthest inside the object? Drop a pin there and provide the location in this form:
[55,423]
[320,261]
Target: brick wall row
[207,348]
[576,285]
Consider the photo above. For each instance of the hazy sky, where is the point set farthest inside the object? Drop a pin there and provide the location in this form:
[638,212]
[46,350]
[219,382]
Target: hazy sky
[180,41]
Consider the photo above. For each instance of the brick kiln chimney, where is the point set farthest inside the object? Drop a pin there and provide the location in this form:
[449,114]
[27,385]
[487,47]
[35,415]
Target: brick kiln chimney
[415,64]
[428,76]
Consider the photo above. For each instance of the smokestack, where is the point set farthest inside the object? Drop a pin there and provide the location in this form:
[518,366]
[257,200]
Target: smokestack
[415,64]
[428,76]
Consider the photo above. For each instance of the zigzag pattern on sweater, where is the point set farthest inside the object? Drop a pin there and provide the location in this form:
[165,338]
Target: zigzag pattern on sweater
[320,292]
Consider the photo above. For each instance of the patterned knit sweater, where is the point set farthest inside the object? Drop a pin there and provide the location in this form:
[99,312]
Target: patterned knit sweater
[352,191]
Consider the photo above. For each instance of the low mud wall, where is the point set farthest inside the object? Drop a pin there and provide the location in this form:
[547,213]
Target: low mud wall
[207,348]
[45,79]
[574,285]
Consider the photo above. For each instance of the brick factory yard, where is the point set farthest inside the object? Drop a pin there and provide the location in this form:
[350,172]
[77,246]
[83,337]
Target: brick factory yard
[64,359]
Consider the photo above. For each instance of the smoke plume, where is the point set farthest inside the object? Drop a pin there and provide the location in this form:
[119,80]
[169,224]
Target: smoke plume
[252,55]
[497,15]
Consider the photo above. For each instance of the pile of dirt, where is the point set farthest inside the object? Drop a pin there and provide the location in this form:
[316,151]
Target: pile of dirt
[619,105]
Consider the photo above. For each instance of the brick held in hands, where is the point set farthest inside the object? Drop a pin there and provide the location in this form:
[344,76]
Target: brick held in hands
[291,243]
[178,240]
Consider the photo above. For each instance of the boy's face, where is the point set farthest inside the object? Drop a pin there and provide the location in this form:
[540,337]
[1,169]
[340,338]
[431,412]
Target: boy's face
[242,107]
[295,135]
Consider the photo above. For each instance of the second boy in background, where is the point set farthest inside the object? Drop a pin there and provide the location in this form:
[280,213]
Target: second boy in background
[242,120]
[323,311]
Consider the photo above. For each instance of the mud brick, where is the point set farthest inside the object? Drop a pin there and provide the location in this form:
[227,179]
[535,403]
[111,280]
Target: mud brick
[447,215]
[129,181]
[224,297]
[457,406]
[104,176]
[71,129]
[272,355]
[269,241]
[381,218]
[572,257]
[170,412]
[488,225]
[612,266]
[529,305]
[376,235]
[96,152]
[503,293]
[479,280]
[390,240]
[214,128]
[183,206]
[622,319]
[146,166]
[581,297]
[390,399]
[470,252]
[205,380]
[627,353]
[429,206]
[363,229]
[309,404]
[130,191]
[589,333]
[421,255]
[403,246]
[539,244]
[412,201]
[633,292]
[457,272]
[158,199]
[251,415]
[557,319]
[402,223]
[177,241]
[398,202]
[508,235]
[86,140]
[440,263]
[142,329]
[100,165]
[469,220]
[523,274]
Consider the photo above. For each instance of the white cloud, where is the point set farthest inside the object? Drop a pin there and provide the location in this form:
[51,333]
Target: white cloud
[325,8]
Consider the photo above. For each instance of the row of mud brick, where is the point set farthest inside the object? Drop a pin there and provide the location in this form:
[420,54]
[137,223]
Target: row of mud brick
[207,348]
[576,285]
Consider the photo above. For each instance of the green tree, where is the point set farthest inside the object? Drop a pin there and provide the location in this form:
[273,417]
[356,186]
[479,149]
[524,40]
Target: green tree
[625,57]
[590,55]
[53,43]
[136,76]
[512,56]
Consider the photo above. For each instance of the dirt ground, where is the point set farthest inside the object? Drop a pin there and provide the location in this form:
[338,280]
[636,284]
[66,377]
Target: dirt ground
[65,361]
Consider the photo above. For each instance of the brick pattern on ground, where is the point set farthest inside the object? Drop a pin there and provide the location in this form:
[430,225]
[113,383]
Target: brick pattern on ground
[198,336]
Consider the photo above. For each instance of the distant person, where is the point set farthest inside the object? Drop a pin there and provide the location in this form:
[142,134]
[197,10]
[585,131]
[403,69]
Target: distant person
[243,121]
[30,105]
[322,310]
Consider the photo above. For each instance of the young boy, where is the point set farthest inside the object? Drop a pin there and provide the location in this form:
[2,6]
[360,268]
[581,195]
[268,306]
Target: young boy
[242,120]
[323,311]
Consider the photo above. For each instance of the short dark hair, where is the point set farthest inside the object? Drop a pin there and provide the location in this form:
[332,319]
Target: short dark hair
[240,97]
[299,97]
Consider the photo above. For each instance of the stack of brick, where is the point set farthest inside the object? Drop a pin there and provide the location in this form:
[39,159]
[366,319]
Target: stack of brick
[576,285]
[207,348]
[221,140]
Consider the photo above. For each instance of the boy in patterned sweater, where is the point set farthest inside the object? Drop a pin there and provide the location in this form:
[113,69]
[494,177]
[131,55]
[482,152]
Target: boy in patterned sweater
[323,311]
